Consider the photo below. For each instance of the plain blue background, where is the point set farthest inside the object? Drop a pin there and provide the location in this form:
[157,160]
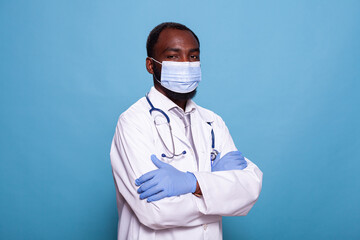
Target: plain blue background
[284,75]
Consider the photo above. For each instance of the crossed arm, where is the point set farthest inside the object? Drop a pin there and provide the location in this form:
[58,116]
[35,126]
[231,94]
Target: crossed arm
[130,152]
[167,181]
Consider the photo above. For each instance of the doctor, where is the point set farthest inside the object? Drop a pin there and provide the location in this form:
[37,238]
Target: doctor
[175,166]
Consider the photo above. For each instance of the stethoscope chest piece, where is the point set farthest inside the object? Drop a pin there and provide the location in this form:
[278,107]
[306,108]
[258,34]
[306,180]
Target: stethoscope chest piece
[213,155]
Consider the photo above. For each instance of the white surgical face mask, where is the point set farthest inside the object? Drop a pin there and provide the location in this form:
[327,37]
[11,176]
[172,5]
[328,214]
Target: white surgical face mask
[180,77]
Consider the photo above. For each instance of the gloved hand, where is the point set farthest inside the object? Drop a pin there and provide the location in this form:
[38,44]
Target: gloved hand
[231,161]
[164,182]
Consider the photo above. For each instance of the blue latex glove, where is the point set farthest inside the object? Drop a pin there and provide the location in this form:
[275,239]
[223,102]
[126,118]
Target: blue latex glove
[231,161]
[164,182]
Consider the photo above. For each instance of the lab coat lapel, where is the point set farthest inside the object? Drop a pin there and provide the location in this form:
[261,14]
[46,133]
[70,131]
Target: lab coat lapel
[201,131]
[179,133]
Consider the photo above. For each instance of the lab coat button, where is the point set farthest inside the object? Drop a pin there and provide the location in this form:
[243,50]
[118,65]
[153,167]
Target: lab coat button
[205,226]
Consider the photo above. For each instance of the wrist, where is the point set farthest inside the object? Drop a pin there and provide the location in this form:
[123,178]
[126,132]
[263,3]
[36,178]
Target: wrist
[193,181]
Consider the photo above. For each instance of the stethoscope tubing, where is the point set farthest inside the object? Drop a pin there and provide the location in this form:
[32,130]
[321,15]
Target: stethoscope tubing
[214,152]
[173,153]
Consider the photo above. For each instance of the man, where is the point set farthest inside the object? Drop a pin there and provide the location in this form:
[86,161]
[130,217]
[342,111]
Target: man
[175,166]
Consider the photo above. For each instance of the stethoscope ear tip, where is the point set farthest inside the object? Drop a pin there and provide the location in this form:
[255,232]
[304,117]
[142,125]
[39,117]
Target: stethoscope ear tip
[163,155]
[184,152]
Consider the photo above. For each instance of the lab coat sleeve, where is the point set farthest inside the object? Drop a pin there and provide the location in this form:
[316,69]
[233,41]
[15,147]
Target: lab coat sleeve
[229,193]
[132,146]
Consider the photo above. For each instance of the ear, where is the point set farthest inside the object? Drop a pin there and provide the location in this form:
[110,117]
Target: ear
[149,65]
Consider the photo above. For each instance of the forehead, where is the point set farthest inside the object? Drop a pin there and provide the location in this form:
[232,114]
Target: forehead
[175,38]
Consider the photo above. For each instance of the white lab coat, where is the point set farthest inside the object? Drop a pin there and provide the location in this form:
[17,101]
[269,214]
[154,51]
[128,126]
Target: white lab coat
[225,193]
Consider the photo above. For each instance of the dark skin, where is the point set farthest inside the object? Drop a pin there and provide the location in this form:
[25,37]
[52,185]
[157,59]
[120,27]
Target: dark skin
[174,45]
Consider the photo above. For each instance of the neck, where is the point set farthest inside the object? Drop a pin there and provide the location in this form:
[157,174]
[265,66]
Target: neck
[180,103]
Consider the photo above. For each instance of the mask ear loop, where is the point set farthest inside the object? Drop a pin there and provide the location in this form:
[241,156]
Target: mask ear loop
[154,72]
[156,79]
[156,60]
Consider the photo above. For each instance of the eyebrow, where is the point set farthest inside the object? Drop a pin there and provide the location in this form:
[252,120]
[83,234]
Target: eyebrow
[195,50]
[172,49]
[178,50]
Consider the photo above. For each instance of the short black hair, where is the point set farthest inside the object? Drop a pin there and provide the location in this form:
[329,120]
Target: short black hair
[155,33]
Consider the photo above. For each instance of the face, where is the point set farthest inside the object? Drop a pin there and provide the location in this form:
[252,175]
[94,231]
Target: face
[174,45]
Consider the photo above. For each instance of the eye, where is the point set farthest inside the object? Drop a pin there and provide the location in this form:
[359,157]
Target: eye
[194,56]
[171,56]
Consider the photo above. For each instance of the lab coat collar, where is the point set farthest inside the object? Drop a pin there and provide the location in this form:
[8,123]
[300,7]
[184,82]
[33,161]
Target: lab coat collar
[159,100]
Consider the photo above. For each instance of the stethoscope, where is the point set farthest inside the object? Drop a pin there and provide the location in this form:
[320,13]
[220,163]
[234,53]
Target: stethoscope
[213,154]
